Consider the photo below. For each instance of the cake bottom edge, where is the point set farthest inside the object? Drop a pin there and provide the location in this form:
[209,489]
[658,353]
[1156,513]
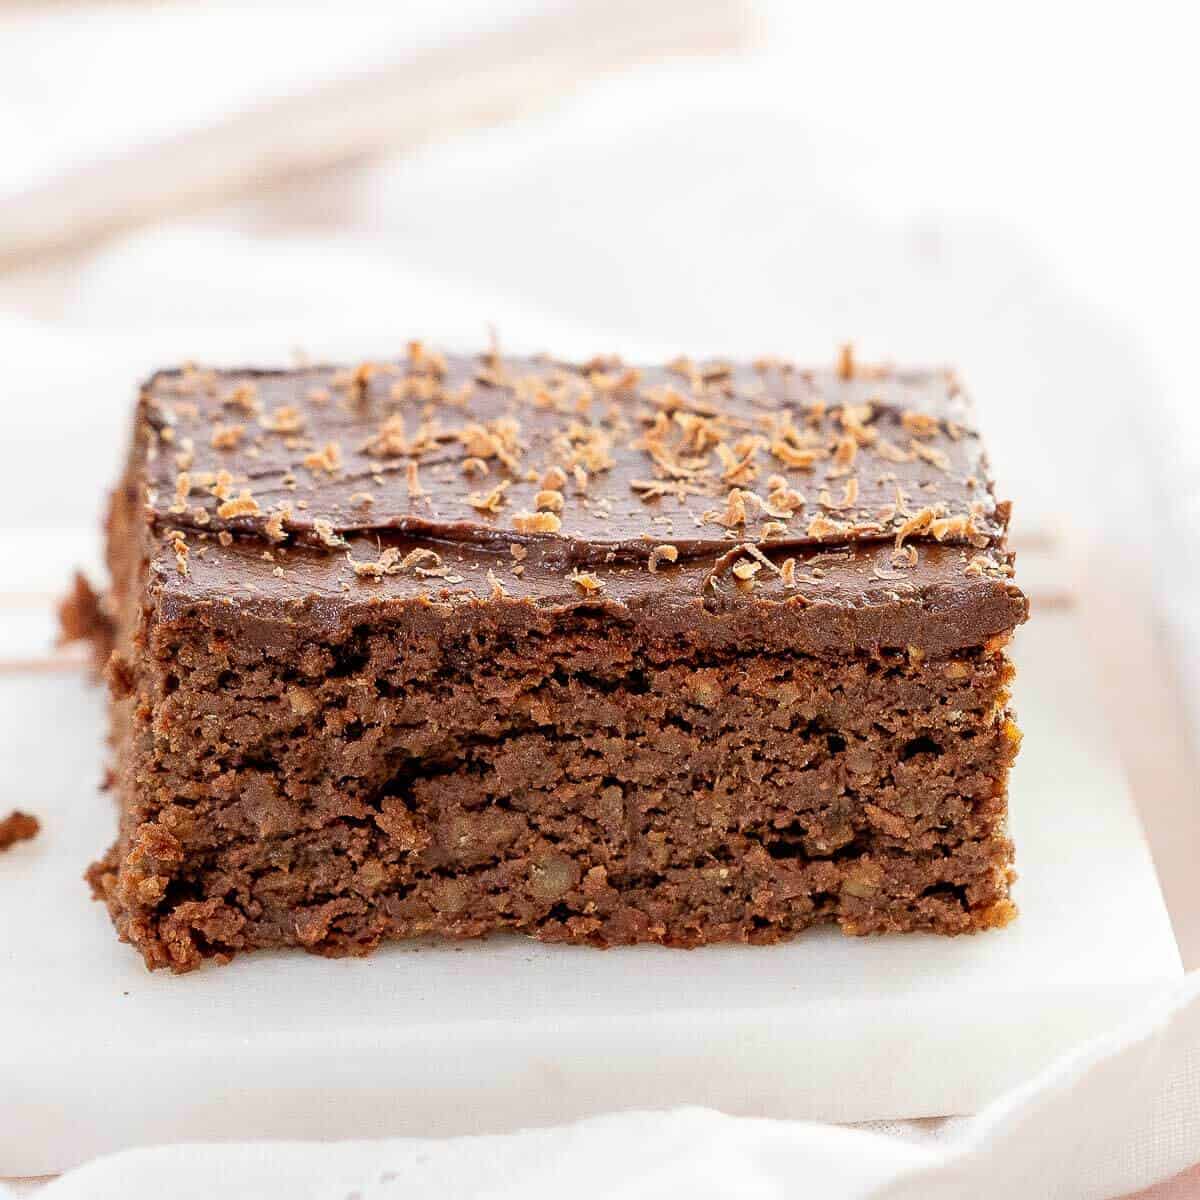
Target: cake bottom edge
[965,891]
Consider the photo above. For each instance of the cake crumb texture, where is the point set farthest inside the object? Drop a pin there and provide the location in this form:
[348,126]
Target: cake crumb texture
[18,827]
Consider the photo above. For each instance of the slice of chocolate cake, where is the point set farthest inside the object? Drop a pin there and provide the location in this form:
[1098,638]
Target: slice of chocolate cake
[595,653]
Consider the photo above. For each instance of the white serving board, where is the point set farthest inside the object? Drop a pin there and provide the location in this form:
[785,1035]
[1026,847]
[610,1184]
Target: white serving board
[96,1054]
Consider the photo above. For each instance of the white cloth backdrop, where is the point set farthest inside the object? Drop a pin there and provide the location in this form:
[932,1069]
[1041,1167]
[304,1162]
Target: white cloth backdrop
[899,175]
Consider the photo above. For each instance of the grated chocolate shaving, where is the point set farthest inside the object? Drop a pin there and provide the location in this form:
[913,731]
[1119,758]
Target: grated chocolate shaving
[412,482]
[498,439]
[550,500]
[219,485]
[390,441]
[951,527]
[274,525]
[918,523]
[327,459]
[244,506]
[855,420]
[652,489]
[843,455]
[919,424]
[414,559]
[183,487]
[328,535]
[386,564]
[738,465]
[822,527]
[227,437]
[800,458]
[661,554]
[981,564]
[847,500]
[245,397]
[285,419]
[759,557]
[489,501]
[783,498]
[539,522]
[733,514]
[390,562]
[586,580]
[180,547]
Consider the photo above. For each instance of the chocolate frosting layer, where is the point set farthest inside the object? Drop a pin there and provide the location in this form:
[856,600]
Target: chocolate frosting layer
[753,505]
[844,601]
